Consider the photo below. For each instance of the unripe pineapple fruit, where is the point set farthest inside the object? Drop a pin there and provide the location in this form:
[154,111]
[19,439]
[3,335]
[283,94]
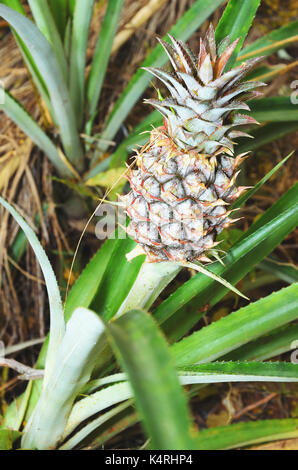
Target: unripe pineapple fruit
[186,175]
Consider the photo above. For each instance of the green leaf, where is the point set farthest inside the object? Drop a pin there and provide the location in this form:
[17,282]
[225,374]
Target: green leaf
[101,56]
[238,328]
[79,39]
[272,42]
[50,70]
[274,109]
[213,276]
[81,295]
[87,285]
[265,134]
[15,4]
[248,194]
[284,271]
[217,372]
[95,403]
[181,308]
[17,113]
[7,438]
[108,178]
[284,203]
[271,345]
[33,69]
[159,398]
[15,413]
[245,434]
[95,425]
[235,23]
[43,18]
[119,277]
[183,29]
[57,327]
[59,9]
[72,368]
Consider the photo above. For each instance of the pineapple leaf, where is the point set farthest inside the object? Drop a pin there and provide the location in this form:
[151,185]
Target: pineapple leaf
[19,115]
[44,20]
[74,361]
[101,57]
[57,327]
[242,199]
[79,39]
[27,56]
[273,109]
[265,134]
[235,23]
[144,354]
[240,371]
[287,272]
[59,9]
[119,276]
[239,328]
[7,438]
[201,269]
[245,434]
[267,346]
[51,72]
[272,42]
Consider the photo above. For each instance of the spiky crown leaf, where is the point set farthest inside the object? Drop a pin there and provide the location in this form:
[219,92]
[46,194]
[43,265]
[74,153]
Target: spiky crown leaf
[200,112]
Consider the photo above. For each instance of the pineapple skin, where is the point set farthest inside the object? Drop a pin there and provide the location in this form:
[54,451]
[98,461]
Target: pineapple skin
[186,175]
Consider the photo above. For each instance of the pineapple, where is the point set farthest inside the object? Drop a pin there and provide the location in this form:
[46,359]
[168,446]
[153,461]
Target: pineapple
[186,175]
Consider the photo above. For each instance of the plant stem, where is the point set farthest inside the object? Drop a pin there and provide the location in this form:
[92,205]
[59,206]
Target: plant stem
[151,280]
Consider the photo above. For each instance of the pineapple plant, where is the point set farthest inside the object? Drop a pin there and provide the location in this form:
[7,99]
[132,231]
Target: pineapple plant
[186,175]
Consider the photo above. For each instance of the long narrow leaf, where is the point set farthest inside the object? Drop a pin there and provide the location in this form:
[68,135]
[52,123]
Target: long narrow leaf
[266,347]
[51,72]
[28,59]
[56,313]
[281,270]
[235,23]
[238,328]
[18,114]
[248,194]
[102,55]
[95,403]
[94,425]
[59,9]
[144,354]
[45,22]
[15,4]
[265,134]
[72,368]
[274,109]
[119,277]
[272,42]
[217,372]
[80,32]
[245,434]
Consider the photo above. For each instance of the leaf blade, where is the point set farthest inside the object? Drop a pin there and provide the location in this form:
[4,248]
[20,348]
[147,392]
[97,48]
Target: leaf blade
[235,23]
[145,357]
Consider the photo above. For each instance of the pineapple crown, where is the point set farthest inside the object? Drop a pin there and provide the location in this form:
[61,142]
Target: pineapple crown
[200,112]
